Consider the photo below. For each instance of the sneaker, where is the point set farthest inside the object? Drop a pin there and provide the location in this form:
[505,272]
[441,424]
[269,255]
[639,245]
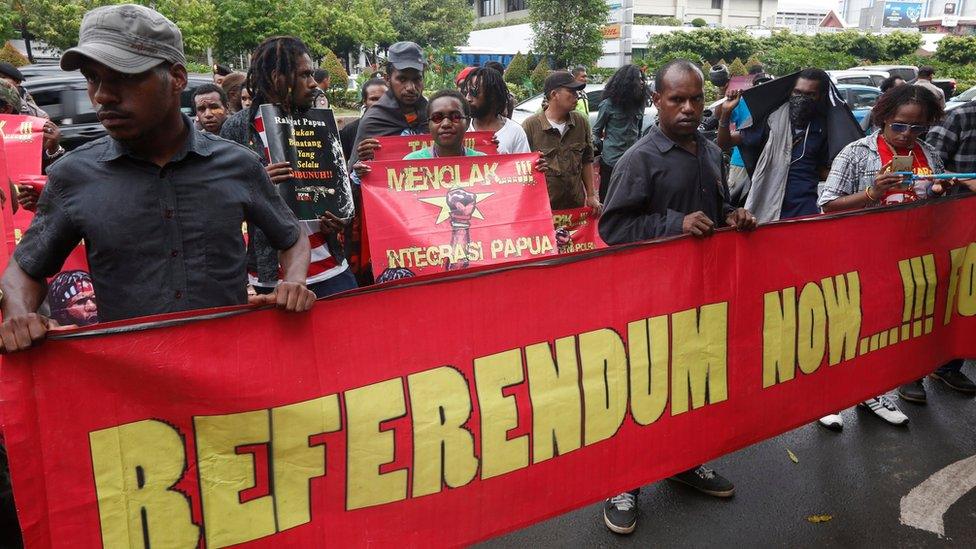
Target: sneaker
[620,513]
[913,392]
[956,380]
[707,481]
[834,422]
[885,408]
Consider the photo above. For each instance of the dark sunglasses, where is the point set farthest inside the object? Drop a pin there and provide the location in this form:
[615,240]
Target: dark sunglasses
[473,91]
[898,127]
[439,117]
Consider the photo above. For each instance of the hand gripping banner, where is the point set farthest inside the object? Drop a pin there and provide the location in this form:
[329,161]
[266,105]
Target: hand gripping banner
[449,409]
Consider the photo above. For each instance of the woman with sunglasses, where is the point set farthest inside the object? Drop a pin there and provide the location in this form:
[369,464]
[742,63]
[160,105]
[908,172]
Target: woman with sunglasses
[861,177]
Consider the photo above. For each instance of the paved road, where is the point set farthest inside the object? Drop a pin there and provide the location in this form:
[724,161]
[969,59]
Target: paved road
[858,477]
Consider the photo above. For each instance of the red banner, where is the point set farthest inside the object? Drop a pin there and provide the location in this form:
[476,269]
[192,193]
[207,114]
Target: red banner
[445,214]
[23,139]
[577,230]
[396,147]
[447,410]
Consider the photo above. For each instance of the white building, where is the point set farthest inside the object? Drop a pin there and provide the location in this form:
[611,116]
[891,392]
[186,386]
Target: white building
[726,13]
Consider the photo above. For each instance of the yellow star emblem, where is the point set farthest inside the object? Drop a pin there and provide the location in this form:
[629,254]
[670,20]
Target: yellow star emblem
[441,202]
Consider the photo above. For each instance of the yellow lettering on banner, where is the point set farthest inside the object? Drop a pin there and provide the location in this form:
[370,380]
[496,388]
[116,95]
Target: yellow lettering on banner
[779,337]
[556,406]
[224,474]
[698,364]
[811,328]
[135,467]
[295,462]
[967,283]
[368,447]
[443,449]
[842,295]
[957,257]
[603,362]
[499,413]
[648,348]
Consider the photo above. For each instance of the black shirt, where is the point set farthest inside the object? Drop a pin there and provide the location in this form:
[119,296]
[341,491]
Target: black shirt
[656,183]
[158,239]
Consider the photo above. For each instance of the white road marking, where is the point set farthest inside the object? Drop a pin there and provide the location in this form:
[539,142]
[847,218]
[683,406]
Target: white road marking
[925,505]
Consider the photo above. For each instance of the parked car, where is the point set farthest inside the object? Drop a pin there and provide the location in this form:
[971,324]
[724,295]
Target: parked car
[64,98]
[947,85]
[594,94]
[863,78]
[961,99]
[906,72]
[40,70]
[859,98]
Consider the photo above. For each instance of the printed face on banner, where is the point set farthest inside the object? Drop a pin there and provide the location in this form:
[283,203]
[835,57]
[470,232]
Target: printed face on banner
[445,214]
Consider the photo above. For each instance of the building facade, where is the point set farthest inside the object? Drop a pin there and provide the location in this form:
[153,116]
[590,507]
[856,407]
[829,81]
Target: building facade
[725,13]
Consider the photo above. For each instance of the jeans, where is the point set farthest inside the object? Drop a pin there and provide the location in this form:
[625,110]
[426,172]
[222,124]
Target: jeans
[339,283]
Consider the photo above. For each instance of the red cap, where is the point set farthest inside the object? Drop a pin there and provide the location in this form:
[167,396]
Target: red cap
[463,75]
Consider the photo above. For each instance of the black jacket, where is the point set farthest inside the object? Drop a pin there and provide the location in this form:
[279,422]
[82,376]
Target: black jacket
[386,118]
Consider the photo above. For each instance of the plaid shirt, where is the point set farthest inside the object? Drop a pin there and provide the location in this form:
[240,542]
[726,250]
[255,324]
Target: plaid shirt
[858,164]
[955,139]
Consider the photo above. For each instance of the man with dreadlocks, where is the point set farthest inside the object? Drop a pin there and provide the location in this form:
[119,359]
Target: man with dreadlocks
[487,95]
[281,73]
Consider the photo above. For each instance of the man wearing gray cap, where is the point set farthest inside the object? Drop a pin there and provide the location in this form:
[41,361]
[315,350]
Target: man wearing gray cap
[159,205]
[403,109]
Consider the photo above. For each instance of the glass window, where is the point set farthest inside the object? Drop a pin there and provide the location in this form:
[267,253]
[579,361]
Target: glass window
[490,7]
[50,102]
[716,4]
[516,5]
[863,99]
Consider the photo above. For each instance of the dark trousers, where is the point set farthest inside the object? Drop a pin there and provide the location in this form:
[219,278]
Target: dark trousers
[339,283]
[605,173]
[9,528]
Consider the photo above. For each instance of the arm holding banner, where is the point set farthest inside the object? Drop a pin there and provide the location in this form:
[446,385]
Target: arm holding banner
[40,254]
[22,296]
[269,213]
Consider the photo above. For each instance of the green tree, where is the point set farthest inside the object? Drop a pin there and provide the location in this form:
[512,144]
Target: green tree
[900,43]
[539,74]
[518,69]
[737,68]
[568,31]
[662,20]
[957,50]
[699,22]
[432,23]
[339,76]
[789,59]
[711,44]
[10,54]
[779,39]
[56,22]
[655,63]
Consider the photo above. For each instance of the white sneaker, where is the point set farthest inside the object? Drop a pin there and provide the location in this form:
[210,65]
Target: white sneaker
[884,407]
[834,422]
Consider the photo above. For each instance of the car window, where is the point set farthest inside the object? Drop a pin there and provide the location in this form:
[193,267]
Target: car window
[84,112]
[863,99]
[50,102]
[907,75]
[967,95]
[858,80]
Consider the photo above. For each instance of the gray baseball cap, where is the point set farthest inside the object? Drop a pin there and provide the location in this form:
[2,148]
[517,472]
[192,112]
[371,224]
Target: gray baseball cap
[406,55]
[126,38]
